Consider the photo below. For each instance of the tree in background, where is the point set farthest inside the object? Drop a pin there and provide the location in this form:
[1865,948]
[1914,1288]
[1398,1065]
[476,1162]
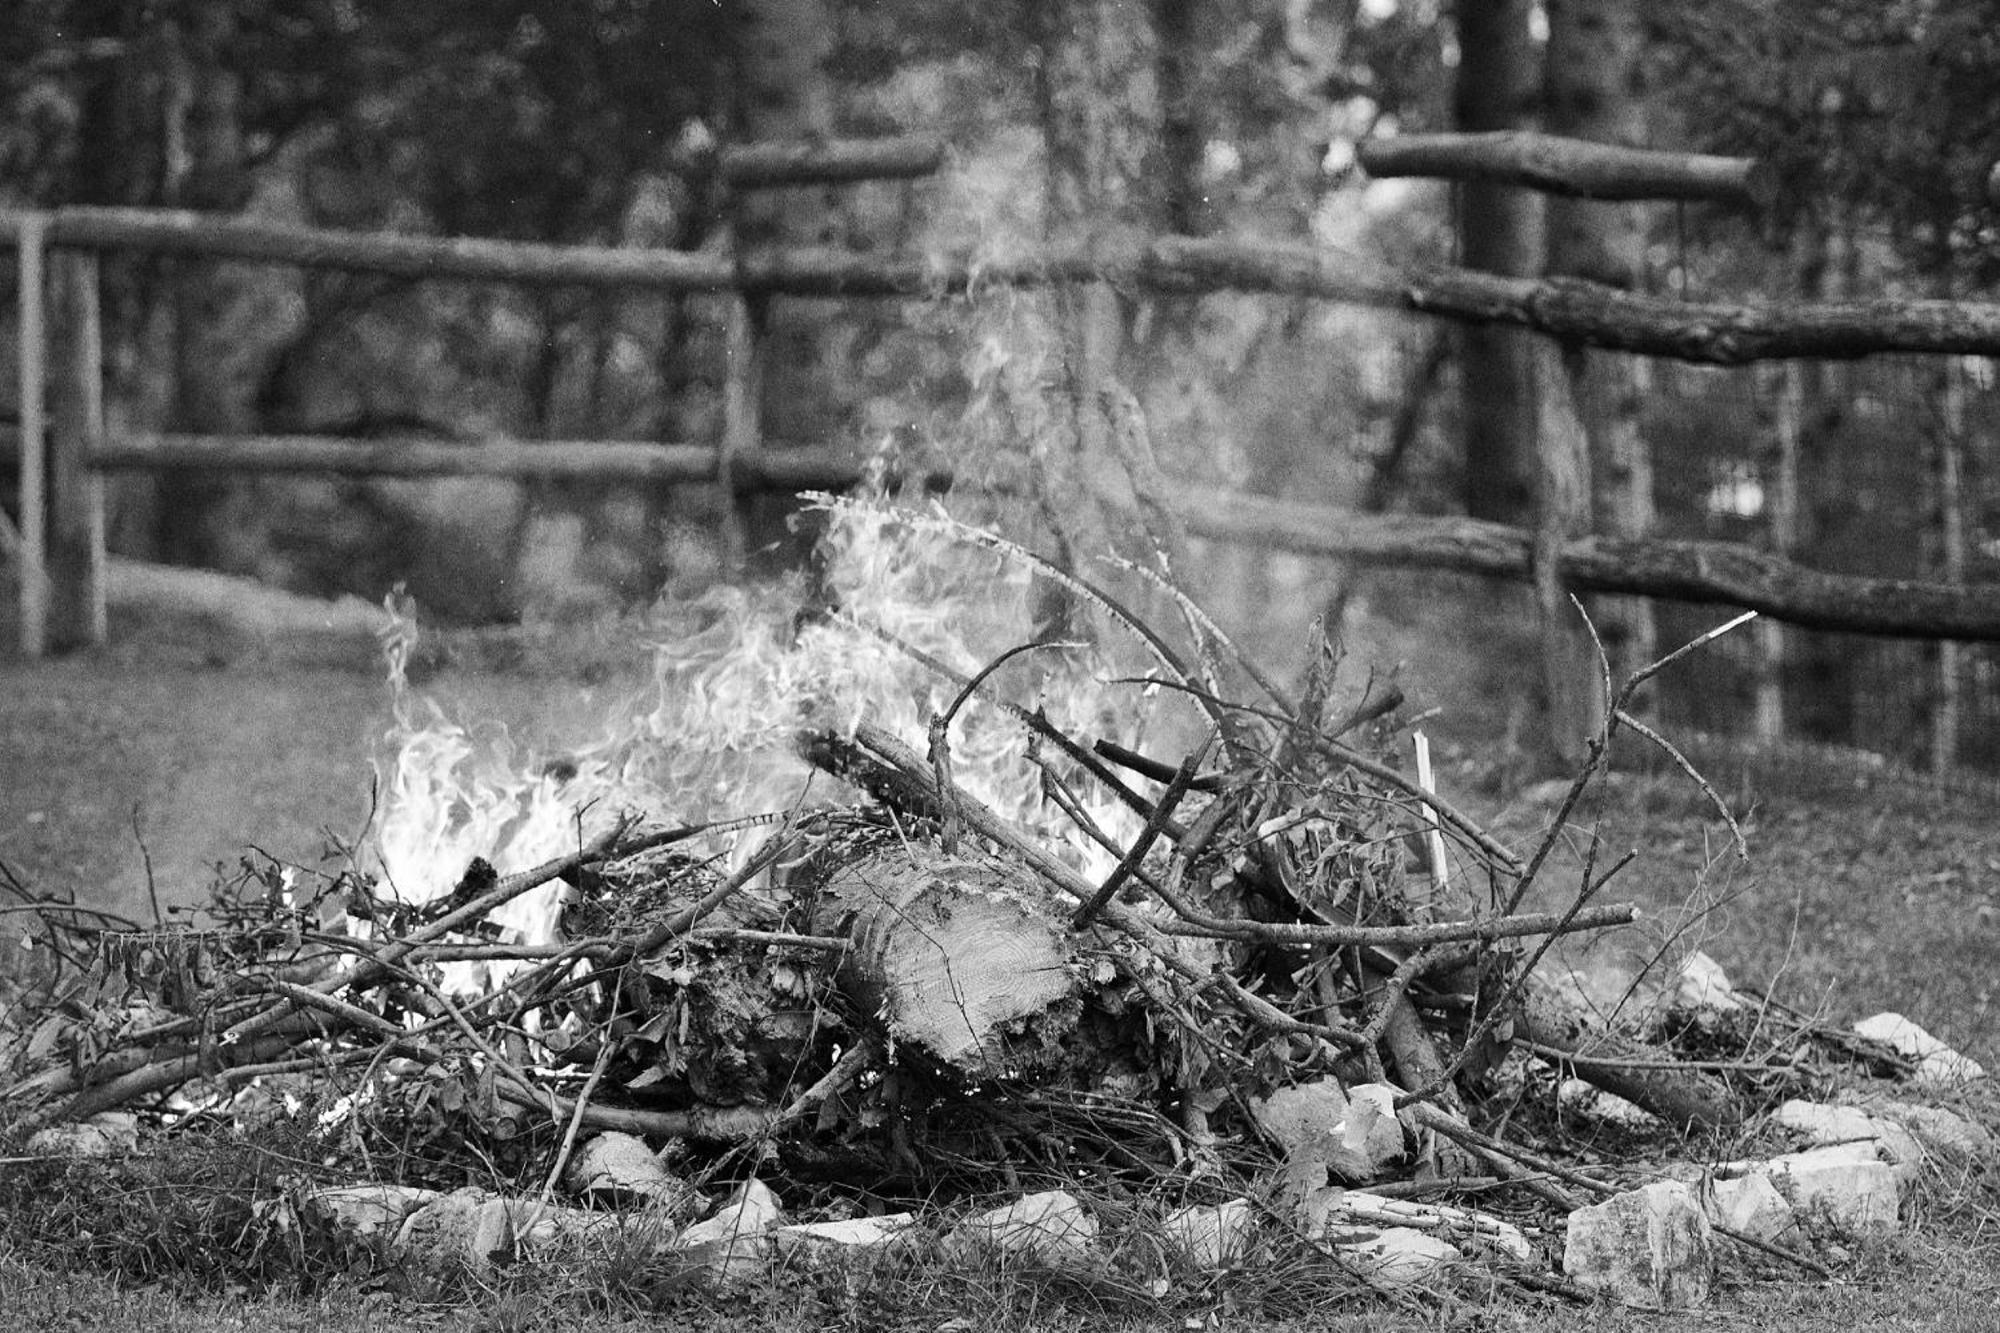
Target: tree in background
[1881,124]
[1499,87]
[1597,90]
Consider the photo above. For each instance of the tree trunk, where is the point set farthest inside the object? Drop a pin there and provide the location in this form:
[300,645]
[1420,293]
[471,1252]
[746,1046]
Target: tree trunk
[962,958]
[784,375]
[1596,92]
[1185,206]
[1099,101]
[205,521]
[1499,231]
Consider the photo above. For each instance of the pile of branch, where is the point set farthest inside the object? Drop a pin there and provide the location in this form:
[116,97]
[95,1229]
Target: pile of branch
[907,988]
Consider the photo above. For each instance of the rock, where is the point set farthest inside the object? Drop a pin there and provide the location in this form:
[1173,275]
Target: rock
[1396,1257]
[1944,1132]
[1938,1065]
[1847,1184]
[1466,1228]
[1826,1126]
[734,1242]
[1353,1132]
[1370,1128]
[106,1134]
[617,1168]
[1702,988]
[549,1233]
[469,1225]
[1648,1248]
[1586,1099]
[1209,1236]
[815,1243]
[1295,1116]
[1748,1203]
[1052,1226]
[363,1211]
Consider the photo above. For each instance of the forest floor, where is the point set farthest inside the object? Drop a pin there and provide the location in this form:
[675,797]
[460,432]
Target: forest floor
[179,748]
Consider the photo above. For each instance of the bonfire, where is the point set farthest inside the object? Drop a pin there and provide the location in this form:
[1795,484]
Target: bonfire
[949,874]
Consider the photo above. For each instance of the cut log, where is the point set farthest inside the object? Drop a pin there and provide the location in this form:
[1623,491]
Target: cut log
[1642,1074]
[962,957]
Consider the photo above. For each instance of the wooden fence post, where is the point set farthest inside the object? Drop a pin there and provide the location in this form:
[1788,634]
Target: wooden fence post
[76,489]
[1781,510]
[742,420]
[1951,564]
[1571,672]
[31,367]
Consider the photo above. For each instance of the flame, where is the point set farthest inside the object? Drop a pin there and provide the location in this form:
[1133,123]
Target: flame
[734,682]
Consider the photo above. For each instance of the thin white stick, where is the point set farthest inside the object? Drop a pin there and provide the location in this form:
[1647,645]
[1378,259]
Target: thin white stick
[1434,835]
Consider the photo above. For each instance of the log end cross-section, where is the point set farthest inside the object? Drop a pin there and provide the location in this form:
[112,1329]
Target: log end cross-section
[961,958]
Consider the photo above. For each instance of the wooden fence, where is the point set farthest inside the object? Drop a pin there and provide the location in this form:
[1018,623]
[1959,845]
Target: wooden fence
[64,453]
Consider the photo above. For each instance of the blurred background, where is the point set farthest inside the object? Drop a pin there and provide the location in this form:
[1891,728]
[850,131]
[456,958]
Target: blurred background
[597,123]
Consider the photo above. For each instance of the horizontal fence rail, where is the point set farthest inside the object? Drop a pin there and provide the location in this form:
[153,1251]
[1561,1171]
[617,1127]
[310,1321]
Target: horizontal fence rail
[1590,314]
[1574,167]
[1570,310]
[1676,570]
[772,467]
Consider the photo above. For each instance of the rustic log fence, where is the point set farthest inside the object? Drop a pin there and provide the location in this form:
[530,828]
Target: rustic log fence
[60,543]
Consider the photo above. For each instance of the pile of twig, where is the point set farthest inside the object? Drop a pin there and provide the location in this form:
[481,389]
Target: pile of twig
[909,981]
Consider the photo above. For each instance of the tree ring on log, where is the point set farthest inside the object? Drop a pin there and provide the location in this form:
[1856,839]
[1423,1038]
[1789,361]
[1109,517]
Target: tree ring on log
[961,957]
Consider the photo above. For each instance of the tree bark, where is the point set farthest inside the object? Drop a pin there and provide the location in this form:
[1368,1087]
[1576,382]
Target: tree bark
[1099,103]
[203,521]
[1576,167]
[1499,231]
[1707,332]
[1596,91]
[1572,679]
[1689,571]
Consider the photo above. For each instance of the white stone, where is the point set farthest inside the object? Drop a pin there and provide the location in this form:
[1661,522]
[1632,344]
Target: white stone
[1354,1132]
[1944,1132]
[1370,1129]
[1464,1227]
[1748,1203]
[1295,1116]
[548,1233]
[1829,1126]
[818,1242]
[1648,1248]
[1209,1236]
[1938,1065]
[365,1210]
[1052,1226]
[1397,1257]
[1582,1097]
[1821,1123]
[106,1134]
[1702,986]
[615,1167]
[1847,1184]
[734,1242]
[470,1225]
